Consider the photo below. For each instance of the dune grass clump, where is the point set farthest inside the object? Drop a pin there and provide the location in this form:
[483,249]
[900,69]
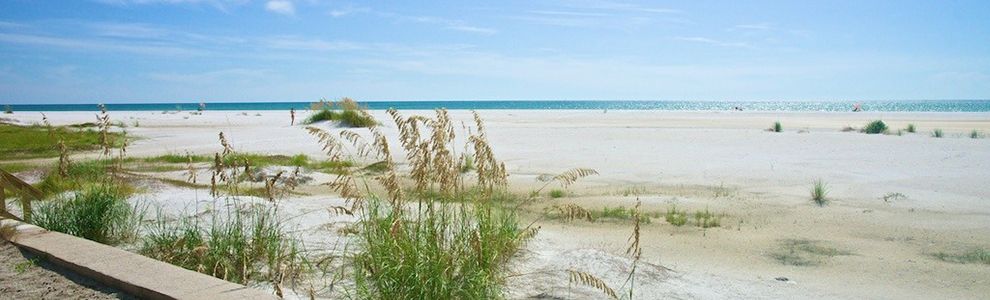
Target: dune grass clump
[777,127]
[819,192]
[351,114]
[804,252]
[433,236]
[875,127]
[238,246]
[910,128]
[555,193]
[973,256]
[98,213]
[937,133]
[706,219]
[675,217]
[974,134]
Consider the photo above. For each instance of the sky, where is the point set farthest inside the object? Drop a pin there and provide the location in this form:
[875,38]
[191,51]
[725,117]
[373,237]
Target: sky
[114,51]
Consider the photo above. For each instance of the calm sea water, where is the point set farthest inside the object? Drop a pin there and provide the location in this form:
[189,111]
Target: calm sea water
[908,106]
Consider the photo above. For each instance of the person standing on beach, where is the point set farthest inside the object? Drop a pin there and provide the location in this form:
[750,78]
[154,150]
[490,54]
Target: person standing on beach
[292,115]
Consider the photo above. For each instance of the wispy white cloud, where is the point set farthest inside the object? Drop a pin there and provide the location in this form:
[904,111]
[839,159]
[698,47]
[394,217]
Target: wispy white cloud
[759,26]
[222,5]
[283,7]
[704,40]
[310,44]
[350,10]
[71,43]
[225,75]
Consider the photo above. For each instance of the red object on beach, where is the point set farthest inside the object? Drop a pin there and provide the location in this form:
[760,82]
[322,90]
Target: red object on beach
[856,107]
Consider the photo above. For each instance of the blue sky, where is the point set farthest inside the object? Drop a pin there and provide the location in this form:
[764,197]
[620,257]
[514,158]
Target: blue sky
[301,50]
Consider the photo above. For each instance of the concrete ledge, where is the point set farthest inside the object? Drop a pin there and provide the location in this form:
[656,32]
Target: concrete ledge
[134,274]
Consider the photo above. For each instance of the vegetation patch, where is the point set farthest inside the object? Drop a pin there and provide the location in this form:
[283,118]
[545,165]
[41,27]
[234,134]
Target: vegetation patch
[98,213]
[804,252]
[233,246]
[937,133]
[875,127]
[22,142]
[350,113]
[675,217]
[973,256]
[707,219]
[910,128]
[819,192]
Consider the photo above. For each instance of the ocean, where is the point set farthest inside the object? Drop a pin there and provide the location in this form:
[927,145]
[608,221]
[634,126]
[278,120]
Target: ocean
[809,106]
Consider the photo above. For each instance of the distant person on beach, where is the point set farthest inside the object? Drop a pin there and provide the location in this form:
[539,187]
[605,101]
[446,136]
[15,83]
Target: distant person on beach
[292,115]
[857,108]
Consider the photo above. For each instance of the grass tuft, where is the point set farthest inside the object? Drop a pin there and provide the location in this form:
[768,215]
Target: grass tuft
[675,217]
[819,192]
[236,246]
[803,252]
[974,134]
[974,256]
[777,127]
[937,133]
[910,128]
[98,213]
[706,219]
[555,193]
[875,127]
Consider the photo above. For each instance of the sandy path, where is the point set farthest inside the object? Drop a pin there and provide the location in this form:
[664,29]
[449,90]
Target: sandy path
[24,276]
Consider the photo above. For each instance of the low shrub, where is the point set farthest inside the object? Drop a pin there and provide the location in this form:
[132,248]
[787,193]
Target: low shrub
[875,127]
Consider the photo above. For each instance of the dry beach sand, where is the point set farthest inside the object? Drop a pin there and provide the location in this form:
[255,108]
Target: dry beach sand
[723,161]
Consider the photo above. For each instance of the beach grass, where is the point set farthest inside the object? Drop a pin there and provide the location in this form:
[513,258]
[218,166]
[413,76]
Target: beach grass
[875,127]
[98,212]
[556,193]
[973,256]
[974,134]
[350,114]
[36,141]
[237,246]
[675,217]
[937,133]
[707,219]
[819,192]
[777,127]
[910,128]
[805,252]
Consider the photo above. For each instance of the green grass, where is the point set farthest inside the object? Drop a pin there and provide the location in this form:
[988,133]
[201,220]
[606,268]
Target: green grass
[467,164]
[17,167]
[555,193]
[875,127]
[974,134]
[618,213]
[98,213]
[346,117]
[819,192]
[706,219]
[79,175]
[675,217]
[910,128]
[973,256]
[236,246]
[937,133]
[22,142]
[440,251]
[777,127]
[804,252]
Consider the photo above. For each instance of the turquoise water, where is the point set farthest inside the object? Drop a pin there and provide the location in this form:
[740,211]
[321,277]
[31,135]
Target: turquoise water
[891,106]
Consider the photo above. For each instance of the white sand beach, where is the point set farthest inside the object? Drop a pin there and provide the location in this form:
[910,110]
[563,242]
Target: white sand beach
[726,162]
